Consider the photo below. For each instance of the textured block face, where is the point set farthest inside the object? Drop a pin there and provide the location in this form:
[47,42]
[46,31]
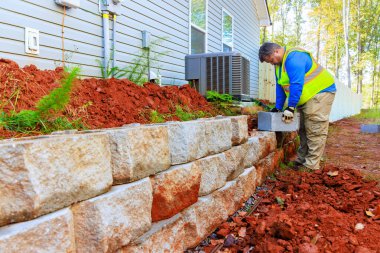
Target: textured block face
[214,173]
[218,135]
[239,129]
[253,148]
[43,175]
[49,233]
[187,141]
[109,222]
[198,221]
[137,152]
[271,121]
[235,161]
[267,143]
[266,166]
[247,182]
[166,236]
[174,190]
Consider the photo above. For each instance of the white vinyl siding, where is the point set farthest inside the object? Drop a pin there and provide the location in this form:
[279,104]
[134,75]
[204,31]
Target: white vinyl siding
[169,19]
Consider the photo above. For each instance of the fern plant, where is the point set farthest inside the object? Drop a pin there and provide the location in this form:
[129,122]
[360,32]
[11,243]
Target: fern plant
[44,116]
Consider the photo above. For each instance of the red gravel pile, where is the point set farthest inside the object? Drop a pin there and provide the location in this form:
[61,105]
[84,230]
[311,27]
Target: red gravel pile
[331,210]
[100,103]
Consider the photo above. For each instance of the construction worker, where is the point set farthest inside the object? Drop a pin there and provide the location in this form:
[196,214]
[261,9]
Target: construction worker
[311,89]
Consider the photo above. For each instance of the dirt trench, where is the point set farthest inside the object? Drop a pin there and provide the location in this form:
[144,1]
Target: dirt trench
[336,209]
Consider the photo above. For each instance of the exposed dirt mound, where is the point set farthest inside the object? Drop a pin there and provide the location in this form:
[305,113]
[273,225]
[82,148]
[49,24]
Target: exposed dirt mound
[100,103]
[114,102]
[308,212]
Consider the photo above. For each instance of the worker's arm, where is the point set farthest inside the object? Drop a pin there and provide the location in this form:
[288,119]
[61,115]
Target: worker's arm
[297,65]
[280,96]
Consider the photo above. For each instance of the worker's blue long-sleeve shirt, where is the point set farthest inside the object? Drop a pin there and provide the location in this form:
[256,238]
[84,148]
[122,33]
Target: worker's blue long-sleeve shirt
[297,65]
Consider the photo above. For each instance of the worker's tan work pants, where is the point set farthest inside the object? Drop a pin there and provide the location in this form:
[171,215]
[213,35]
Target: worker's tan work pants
[313,130]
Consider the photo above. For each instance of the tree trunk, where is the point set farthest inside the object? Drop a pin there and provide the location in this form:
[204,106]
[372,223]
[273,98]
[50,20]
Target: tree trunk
[318,37]
[360,51]
[346,14]
[375,73]
[336,58]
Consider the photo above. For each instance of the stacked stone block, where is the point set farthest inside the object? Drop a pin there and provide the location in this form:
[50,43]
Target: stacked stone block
[173,184]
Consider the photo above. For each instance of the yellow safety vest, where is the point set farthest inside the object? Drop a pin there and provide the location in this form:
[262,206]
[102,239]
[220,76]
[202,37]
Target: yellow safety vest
[316,79]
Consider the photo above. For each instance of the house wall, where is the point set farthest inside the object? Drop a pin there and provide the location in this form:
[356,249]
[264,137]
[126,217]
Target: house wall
[83,33]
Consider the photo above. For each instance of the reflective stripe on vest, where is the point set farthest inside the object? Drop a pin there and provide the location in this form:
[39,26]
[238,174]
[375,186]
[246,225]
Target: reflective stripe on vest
[316,79]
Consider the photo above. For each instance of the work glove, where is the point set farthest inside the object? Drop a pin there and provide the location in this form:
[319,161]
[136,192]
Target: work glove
[288,115]
[275,110]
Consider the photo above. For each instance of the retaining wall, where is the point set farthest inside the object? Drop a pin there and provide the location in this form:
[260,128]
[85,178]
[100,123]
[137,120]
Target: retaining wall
[138,188]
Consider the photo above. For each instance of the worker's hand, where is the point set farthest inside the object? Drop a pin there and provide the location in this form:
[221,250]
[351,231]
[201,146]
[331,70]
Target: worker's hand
[288,115]
[275,110]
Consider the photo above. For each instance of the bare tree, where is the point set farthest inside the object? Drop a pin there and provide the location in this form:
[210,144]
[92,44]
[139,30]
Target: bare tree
[346,20]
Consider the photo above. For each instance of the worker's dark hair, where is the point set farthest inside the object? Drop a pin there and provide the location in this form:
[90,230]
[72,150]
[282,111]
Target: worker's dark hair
[266,49]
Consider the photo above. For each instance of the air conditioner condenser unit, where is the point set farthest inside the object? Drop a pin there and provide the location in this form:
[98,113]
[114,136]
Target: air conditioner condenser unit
[224,72]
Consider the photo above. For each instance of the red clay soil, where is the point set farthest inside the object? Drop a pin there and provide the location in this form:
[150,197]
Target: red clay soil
[335,209]
[99,103]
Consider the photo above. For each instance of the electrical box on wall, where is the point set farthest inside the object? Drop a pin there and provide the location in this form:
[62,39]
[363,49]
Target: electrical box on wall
[113,6]
[69,3]
[32,41]
[145,39]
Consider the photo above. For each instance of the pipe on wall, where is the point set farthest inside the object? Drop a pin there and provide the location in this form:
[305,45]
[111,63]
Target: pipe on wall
[106,42]
[114,42]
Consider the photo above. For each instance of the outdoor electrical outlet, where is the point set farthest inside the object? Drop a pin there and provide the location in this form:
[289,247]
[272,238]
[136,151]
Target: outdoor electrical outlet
[69,3]
[145,39]
[32,41]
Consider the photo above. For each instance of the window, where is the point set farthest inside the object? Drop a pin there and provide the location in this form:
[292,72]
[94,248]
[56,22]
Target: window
[198,21]
[227,31]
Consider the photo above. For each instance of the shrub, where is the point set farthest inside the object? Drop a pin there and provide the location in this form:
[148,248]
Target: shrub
[214,96]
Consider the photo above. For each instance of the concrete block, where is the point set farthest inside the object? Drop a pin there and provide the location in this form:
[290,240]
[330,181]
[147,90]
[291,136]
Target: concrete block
[214,173]
[138,152]
[202,218]
[258,146]
[49,233]
[372,129]
[271,121]
[166,236]
[187,141]
[239,129]
[174,190]
[39,176]
[110,221]
[235,161]
[218,134]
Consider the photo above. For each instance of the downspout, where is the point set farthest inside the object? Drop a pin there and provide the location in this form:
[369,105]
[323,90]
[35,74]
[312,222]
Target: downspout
[113,43]
[106,41]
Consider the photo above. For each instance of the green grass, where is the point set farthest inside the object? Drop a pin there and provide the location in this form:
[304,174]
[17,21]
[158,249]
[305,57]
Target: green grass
[156,117]
[372,115]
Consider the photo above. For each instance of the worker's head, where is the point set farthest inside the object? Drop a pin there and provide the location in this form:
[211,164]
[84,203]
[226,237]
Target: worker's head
[271,53]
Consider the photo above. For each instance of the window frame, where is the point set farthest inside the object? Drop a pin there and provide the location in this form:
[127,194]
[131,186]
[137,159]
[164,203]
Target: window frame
[191,25]
[233,29]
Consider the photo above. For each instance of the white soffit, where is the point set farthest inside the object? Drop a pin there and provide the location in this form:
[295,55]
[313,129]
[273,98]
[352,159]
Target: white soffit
[263,12]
